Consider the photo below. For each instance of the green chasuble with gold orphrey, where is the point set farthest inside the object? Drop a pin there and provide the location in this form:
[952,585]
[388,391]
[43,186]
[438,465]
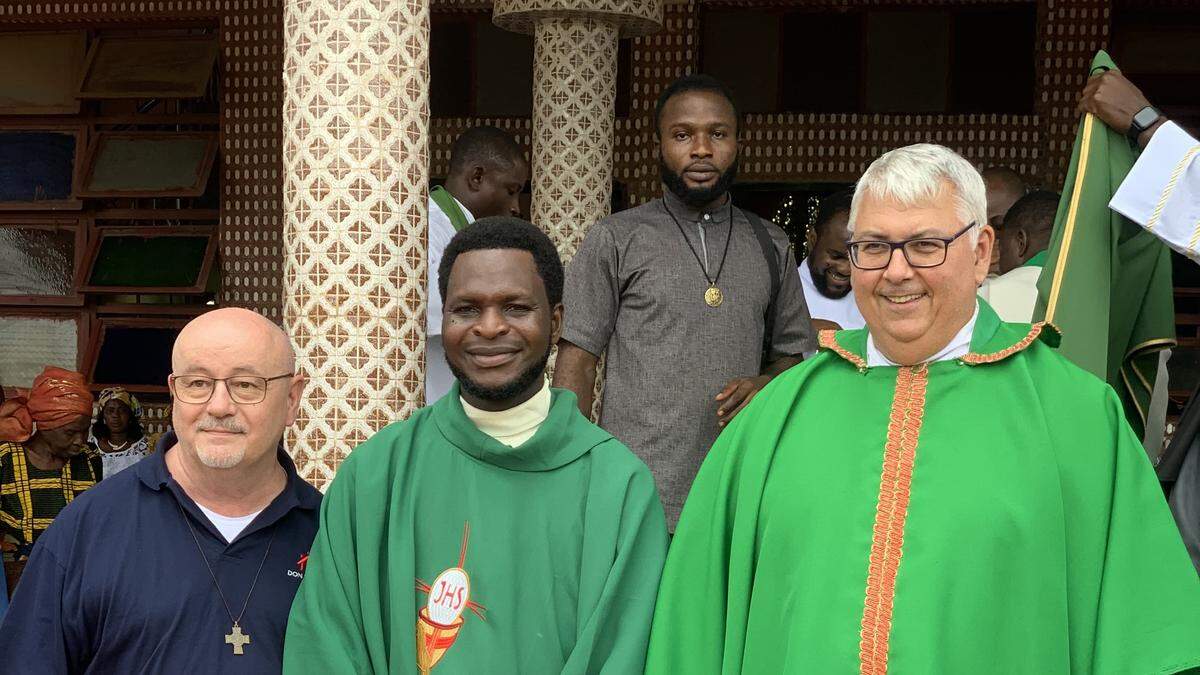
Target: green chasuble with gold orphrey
[442,550]
[989,514]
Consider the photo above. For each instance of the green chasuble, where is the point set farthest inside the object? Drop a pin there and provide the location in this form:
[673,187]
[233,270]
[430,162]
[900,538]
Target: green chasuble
[443,550]
[989,514]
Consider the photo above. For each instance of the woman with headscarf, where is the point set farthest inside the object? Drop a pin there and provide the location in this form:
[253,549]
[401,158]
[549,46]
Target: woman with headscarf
[44,463]
[117,433]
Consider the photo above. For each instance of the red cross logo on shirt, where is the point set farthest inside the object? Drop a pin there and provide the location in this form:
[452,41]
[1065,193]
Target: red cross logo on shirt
[302,562]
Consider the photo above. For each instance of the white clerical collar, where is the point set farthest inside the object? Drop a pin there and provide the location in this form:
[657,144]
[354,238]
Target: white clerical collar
[956,348]
[516,425]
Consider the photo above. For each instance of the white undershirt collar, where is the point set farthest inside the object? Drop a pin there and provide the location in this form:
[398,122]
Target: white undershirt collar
[956,348]
[229,526]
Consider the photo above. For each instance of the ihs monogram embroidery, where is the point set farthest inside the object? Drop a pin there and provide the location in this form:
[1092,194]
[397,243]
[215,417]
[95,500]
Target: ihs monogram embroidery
[440,620]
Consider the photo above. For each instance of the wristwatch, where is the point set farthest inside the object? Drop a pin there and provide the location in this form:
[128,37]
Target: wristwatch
[1143,120]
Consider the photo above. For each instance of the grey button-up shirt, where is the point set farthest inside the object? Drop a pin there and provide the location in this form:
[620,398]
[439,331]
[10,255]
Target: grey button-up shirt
[636,291]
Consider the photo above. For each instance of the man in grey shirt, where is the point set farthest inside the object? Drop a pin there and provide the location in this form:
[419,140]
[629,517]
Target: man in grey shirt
[677,293]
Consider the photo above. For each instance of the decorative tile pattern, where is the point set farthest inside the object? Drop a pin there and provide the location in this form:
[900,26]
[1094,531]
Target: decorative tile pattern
[633,17]
[355,128]
[1071,32]
[574,75]
[251,86]
[251,140]
[658,59]
[835,147]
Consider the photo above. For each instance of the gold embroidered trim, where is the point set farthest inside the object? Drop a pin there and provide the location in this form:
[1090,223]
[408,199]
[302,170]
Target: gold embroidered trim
[974,359]
[1060,263]
[827,339]
[1175,174]
[1191,247]
[891,511]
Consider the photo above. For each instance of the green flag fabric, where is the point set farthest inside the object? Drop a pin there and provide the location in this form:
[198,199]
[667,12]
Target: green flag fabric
[1107,282]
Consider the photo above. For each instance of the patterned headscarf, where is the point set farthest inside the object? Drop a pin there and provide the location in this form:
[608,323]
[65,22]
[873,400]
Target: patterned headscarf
[58,397]
[119,394]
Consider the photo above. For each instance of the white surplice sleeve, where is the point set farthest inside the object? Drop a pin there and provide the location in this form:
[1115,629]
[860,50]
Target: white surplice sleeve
[1162,191]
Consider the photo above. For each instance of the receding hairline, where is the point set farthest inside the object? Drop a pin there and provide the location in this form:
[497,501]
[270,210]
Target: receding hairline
[281,351]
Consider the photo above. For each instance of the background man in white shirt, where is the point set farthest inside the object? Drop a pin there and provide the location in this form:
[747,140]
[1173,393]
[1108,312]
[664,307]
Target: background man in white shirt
[825,273]
[488,171]
[1023,239]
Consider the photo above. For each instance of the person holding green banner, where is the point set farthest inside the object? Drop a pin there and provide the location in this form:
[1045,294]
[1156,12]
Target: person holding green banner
[1162,191]
[940,492]
[487,174]
[1107,281]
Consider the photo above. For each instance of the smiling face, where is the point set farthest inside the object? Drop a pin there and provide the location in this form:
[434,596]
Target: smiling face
[698,146]
[829,261]
[498,326]
[912,313]
[222,433]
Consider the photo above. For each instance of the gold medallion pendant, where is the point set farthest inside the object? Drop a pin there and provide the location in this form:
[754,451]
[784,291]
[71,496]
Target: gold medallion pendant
[713,296]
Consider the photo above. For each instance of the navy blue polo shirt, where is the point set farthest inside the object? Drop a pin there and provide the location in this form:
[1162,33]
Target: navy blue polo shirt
[117,585]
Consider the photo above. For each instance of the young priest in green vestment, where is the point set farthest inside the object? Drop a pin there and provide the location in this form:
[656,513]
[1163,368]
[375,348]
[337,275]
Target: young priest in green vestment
[498,530]
[940,492]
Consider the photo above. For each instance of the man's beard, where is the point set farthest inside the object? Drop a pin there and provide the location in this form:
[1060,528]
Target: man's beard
[696,197]
[225,458]
[507,390]
[822,284]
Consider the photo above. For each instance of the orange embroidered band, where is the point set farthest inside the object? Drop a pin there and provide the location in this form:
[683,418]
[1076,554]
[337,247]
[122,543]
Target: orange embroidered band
[891,511]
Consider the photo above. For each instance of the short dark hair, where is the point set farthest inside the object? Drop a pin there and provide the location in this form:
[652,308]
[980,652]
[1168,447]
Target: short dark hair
[830,206]
[697,82]
[506,232]
[484,145]
[1034,212]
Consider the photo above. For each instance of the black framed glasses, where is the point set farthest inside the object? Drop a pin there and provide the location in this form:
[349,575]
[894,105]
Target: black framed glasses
[870,254]
[244,389]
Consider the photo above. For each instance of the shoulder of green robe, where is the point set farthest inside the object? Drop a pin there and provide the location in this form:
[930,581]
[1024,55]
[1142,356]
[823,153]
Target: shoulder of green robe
[604,447]
[992,342]
[380,448]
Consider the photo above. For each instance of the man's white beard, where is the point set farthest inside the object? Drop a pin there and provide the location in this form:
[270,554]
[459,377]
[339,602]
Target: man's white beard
[221,459]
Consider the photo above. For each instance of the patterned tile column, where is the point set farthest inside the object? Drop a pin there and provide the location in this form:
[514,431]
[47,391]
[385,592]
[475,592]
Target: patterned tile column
[574,80]
[355,160]
[574,95]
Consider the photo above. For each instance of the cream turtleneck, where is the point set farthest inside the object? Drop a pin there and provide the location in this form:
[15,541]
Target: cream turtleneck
[516,425]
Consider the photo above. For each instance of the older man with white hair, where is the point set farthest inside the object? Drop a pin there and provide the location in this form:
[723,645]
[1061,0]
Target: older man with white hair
[189,561]
[939,492]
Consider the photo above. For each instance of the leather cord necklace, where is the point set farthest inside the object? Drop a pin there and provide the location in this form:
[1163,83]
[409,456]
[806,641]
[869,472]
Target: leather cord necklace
[235,637]
[712,295]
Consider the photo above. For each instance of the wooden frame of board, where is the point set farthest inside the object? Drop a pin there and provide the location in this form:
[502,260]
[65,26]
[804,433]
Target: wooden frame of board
[70,104]
[83,328]
[204,170]
[195,91]
[42,222]
[100,326]
[72,203]
[93,252]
